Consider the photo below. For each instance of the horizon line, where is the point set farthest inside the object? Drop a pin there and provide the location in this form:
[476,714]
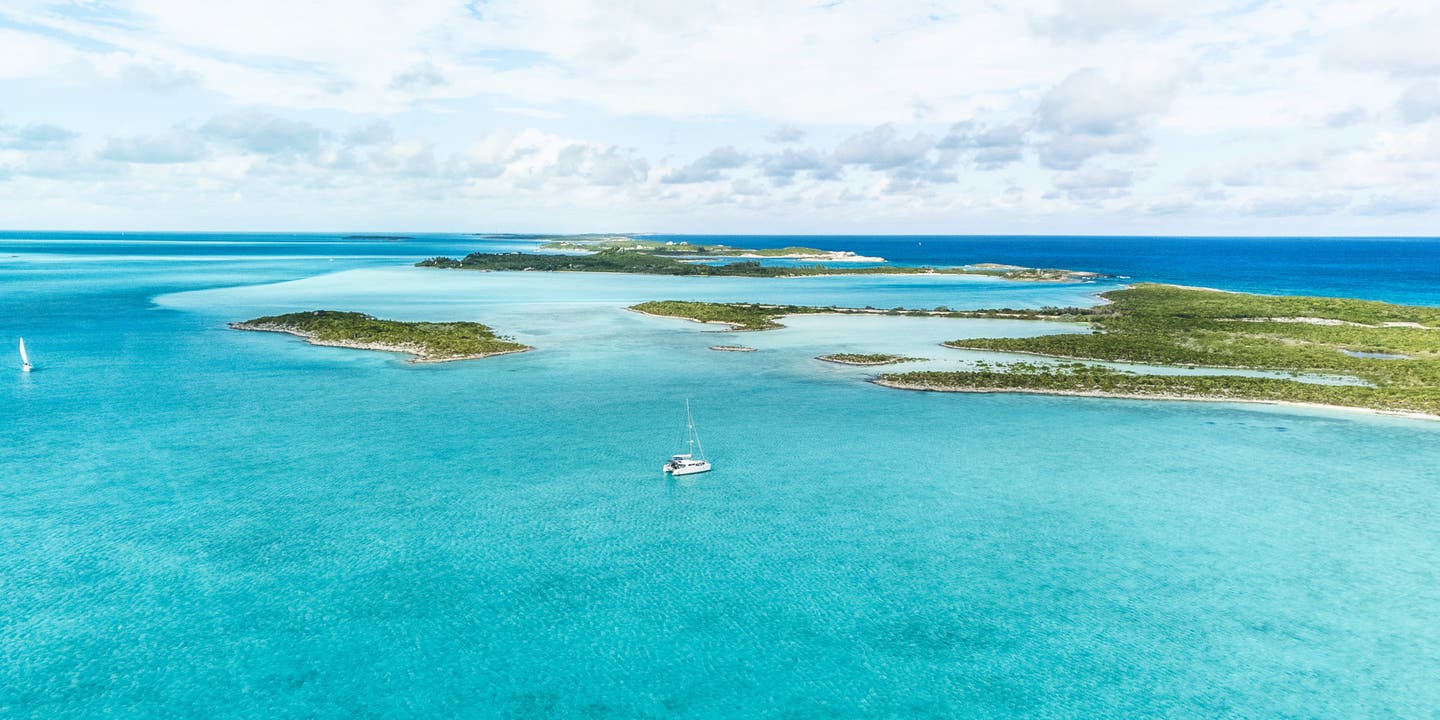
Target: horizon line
[738,234]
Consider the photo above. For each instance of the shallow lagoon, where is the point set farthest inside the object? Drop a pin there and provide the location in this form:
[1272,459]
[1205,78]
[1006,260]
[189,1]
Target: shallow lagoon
[206,522]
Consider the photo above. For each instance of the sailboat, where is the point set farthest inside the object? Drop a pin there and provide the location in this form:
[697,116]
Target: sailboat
[24,357]
[687,463]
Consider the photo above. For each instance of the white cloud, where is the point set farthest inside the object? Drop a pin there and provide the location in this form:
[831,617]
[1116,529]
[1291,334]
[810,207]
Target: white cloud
[883,148]
[374,132]
[782,167]
[1093,183]
[990,146]
[1090,20]
[158,77]
[707,168]
[1420,102]
[418,78]
[531,112]
[1088,114]
[911,111]
[1303,204]
[263,133]
[1395,40]
[43,136]
[28,55]
[786,134]
[177,146]
[1424,201]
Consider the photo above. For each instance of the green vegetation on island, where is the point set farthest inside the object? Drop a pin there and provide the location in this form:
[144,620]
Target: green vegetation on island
[739,316]
[1392,350]
[686,249]
[1100,381]
[427,341]
[1170,325]
[647,263]
[759,316]
[865,358]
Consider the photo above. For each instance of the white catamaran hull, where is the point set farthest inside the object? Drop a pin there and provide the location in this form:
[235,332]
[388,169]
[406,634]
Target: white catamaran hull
[696,468]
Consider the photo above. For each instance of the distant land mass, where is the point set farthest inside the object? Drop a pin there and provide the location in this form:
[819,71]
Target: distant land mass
[630,255]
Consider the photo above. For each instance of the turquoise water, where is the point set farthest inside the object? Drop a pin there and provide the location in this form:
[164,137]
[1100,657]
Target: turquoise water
[198,522]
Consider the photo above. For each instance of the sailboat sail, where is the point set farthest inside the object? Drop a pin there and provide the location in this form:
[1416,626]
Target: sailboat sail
[24,356]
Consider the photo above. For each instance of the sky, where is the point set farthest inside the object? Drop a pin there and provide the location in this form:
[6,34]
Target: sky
[1027,116]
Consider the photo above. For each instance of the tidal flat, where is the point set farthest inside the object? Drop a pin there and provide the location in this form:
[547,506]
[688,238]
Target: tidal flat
[1392,352]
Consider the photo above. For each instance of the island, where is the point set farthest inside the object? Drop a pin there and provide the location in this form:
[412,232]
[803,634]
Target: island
[1393,351]
[647,262]
[683,248]
[1382,356]
[865,359]
[737,316]
[732,348]
[428,342]
[762,316]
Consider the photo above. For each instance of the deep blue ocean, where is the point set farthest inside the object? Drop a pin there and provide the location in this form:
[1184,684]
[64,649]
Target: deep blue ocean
[201,522]
[1402,270]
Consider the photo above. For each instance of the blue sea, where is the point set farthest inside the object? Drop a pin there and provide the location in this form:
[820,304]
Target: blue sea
[200,522]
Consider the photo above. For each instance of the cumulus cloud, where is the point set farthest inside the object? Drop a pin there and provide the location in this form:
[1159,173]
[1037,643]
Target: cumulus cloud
[263,133]
[990,146]
[603,165]
[1297,204]
[177,146]
[1088,114]
[1420,102]
[1050,106]
[372,133]
[707,168]
[532,160]
[786,134]
[1398,43]
[40,136]
[418,78]
[1347,118]
[1088,20]
[159,77]
[1094,183]
[532,112]
[883,148]
[1399,204]
[782,167]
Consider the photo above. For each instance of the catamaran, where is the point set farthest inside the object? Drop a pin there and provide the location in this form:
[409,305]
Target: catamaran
[24,357]
[687,463]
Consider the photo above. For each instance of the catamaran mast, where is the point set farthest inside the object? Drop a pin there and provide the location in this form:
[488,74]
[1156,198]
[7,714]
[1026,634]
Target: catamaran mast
[694,436]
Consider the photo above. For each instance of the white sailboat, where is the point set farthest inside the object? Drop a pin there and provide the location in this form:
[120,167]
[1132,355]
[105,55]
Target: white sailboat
[24,357]
[688,463]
